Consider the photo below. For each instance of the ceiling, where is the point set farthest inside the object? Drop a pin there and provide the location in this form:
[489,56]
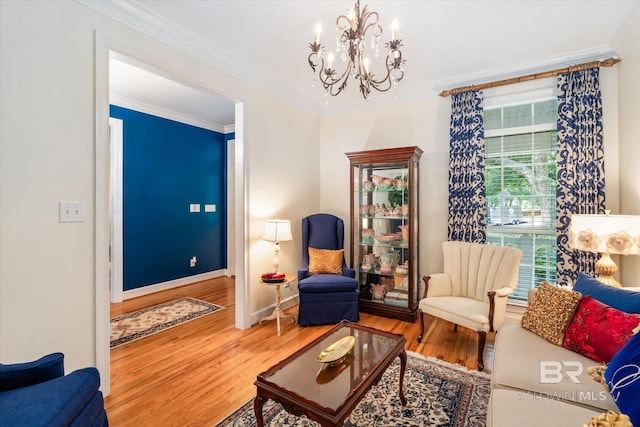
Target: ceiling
[447,43]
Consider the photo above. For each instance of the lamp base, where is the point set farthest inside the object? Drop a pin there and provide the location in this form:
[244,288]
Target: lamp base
[606,269]
[276,257]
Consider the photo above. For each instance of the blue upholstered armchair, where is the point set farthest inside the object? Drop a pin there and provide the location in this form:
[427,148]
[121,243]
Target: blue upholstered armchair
[325,298]
[39,394]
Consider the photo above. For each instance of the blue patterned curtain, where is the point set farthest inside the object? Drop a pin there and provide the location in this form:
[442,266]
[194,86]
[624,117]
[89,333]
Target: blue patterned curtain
[580,165]
[467,199]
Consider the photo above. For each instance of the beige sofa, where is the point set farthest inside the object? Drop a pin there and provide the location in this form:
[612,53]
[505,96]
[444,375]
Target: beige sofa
[526,388]
[537,383]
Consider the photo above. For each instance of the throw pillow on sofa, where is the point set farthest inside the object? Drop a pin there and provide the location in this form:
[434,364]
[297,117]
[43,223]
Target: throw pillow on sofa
[623,379]
[599,331]
[620,298]
[550,312]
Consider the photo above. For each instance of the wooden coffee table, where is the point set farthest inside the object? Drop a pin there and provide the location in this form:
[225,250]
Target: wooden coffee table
[328,393]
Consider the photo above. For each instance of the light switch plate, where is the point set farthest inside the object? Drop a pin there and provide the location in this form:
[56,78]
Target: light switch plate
[209,208]
[72,212]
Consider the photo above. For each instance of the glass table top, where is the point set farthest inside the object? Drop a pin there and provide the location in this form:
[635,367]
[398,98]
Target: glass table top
[328,385]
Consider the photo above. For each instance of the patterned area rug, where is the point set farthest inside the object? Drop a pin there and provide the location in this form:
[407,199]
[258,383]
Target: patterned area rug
[438,394]
[142,323]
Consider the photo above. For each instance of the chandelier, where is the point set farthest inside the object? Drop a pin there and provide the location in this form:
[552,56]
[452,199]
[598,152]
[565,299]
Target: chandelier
[352,30]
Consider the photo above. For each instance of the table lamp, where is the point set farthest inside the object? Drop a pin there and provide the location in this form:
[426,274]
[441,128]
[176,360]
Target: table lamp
[606,234]
[277,230]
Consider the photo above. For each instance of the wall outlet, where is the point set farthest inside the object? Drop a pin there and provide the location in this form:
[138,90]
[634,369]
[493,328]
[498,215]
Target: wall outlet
[71,212]
[192,262]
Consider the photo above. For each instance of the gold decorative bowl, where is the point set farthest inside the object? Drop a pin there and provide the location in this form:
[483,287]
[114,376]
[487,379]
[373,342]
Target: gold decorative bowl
[337,350]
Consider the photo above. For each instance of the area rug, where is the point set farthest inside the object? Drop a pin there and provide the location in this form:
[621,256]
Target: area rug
[438,394]
[148,321]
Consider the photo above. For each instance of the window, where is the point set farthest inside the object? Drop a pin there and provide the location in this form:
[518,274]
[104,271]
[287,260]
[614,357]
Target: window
[520,161]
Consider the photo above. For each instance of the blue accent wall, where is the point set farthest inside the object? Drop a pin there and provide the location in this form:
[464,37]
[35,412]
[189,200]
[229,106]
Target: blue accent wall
[168,166]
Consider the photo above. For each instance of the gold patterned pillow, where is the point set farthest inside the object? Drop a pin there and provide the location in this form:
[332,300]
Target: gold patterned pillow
[325,261]
[550,312]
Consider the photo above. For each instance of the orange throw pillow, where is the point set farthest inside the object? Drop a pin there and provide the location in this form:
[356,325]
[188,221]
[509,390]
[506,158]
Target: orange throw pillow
[325,261]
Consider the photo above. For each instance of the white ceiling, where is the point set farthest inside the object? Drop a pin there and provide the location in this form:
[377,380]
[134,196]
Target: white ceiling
[447,43]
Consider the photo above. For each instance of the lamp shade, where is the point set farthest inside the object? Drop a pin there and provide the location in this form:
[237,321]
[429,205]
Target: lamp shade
[277,230]
[613,234]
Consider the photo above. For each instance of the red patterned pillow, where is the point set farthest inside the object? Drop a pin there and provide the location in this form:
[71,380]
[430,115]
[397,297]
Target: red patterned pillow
[599,331]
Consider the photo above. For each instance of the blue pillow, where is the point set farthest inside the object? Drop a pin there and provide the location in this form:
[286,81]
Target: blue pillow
[619,298]
[623,378]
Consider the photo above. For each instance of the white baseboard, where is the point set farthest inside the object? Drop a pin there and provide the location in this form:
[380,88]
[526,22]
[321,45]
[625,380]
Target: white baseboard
[150,289]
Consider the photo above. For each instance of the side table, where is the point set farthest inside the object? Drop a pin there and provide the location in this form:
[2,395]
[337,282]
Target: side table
[277,312]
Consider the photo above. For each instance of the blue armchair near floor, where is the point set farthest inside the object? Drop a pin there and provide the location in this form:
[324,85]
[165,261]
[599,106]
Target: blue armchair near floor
[325,298]
[39,394]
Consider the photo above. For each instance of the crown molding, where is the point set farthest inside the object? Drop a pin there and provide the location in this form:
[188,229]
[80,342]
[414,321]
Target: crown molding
[164,113]
[136,15]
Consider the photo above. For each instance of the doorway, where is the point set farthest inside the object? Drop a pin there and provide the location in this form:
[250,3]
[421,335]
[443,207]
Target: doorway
[105,48]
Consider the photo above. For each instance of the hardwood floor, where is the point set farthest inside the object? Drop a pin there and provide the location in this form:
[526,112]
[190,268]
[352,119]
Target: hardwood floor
[197,373]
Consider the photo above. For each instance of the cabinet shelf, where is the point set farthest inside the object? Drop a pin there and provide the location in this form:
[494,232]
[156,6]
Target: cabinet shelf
[384,202]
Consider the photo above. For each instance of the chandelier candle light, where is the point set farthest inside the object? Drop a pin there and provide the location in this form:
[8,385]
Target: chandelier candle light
[606,234]
[352,30]
[277,230]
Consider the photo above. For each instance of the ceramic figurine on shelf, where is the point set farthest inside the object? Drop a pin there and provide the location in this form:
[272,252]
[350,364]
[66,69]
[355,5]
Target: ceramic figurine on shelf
[387,282]
[377,179]
[367,235]
[378,291]
[386,184]
[368,186]
[405,233]
[403,269]
[400,184]
[385,263]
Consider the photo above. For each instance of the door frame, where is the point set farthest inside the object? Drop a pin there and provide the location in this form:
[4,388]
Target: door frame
[116,229]
[103,48]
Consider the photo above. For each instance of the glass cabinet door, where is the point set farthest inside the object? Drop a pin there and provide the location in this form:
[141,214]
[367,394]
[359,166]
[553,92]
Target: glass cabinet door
[385,230]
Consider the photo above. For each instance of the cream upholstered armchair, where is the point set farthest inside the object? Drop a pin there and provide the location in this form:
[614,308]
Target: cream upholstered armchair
[472,291]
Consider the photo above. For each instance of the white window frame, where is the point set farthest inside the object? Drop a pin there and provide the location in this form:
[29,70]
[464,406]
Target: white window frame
[518,94]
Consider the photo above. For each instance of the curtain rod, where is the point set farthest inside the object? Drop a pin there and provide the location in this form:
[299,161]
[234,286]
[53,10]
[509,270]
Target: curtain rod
[609,62]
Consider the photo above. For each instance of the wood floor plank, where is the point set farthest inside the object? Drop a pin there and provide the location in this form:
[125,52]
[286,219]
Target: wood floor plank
[197,373]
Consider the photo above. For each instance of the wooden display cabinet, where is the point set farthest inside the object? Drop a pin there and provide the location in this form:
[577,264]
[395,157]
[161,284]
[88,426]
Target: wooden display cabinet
[384,230]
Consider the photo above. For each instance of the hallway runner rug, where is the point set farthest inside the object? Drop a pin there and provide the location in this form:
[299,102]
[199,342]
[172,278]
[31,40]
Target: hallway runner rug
[438,394]
[142,323]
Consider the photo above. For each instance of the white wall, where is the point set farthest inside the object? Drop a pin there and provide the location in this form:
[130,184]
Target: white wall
[629,102]
[47,154]
[283,183]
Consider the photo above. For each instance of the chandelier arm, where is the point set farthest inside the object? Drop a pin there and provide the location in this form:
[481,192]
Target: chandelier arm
[392,63]
[330,82]
[342,28]
[365,17]
[316,50]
